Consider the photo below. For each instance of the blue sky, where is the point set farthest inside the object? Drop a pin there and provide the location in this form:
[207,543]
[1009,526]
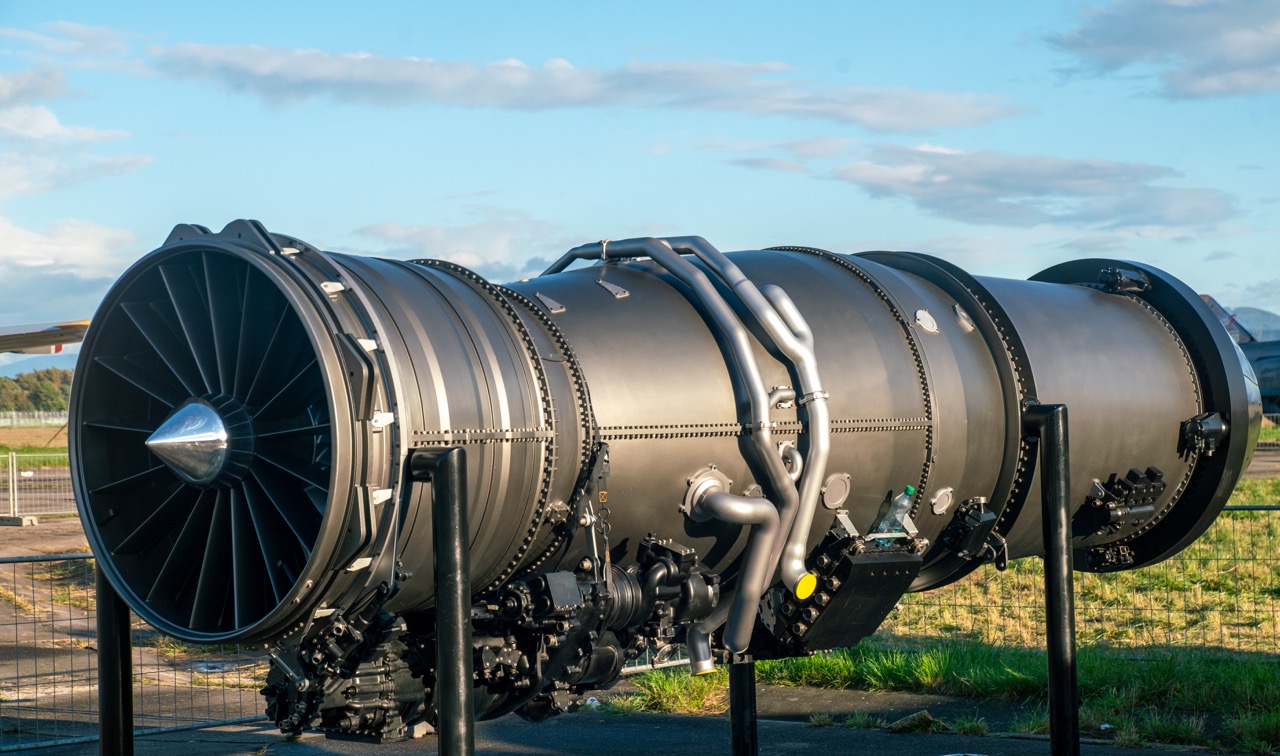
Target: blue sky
[1004,137]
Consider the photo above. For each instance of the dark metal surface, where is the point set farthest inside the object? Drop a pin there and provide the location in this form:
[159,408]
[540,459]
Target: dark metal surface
[586,415]
[446,470]
[1012,382]
[1047,424]
[115,671]
[743,721]
[1226,385]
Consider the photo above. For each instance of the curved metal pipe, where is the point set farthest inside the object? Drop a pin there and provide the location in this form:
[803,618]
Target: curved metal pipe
[762,516]
[654,581]
[778,482]
[794,461]
[699,645]
[781,395]
[782,321]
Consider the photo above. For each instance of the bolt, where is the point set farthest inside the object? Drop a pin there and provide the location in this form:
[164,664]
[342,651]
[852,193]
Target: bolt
[585,564]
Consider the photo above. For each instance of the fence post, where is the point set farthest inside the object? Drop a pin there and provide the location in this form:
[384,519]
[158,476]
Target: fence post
[13,484]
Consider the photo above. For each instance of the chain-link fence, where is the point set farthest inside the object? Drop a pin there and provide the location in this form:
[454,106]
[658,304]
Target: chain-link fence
[1221,594]
[32,419]
[48,663]
[1269,437]
[36,484]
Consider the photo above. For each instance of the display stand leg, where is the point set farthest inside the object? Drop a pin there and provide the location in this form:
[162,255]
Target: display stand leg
[115,671]
[742,705]
[1048,422]
[446,470]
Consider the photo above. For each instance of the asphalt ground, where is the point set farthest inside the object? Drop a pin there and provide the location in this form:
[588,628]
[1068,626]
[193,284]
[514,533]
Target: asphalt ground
[1266,464]
[595,734]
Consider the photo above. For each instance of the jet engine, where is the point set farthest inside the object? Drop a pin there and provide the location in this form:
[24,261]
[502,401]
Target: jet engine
[665,446]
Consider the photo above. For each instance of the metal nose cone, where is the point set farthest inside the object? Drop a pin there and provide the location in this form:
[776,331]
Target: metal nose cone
[192,442]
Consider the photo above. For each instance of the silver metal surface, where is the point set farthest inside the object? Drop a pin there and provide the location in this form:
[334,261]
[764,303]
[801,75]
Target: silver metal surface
[555,307]
[836,490]
[617,291]
[941,500]
[192,442]
[926,321]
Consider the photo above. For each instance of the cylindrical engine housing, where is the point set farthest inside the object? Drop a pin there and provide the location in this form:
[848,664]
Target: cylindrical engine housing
[320,371]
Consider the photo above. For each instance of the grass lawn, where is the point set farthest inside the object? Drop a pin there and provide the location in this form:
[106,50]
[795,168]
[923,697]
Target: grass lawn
[1184,652]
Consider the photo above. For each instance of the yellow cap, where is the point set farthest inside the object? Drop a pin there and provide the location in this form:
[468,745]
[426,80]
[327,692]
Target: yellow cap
[701,672]
[806,585]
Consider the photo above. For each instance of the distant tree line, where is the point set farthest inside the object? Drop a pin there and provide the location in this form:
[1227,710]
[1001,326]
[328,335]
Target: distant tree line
[41,390]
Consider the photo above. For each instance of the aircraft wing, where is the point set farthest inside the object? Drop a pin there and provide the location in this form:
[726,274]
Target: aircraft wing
[41,338]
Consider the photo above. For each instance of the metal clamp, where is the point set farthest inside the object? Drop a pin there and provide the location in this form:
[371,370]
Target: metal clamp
[813,396]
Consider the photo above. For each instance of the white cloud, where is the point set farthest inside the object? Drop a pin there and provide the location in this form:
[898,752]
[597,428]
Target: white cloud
[61,272]
[819,146]
[33,84]
[283,76]
[988,187]
[31,173]
[74,247]
[501,245]
[72,38]
[1201,48]
[49,154]
[37,122]
[772,164]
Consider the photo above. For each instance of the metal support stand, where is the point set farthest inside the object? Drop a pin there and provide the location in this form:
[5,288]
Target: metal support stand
[742,705]
[446,469]
[1048,422]
[115,672]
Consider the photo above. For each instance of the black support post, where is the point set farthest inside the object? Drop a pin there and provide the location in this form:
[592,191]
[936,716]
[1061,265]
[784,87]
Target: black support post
[446,469]
[742,705]
[1048,422]
[115,671]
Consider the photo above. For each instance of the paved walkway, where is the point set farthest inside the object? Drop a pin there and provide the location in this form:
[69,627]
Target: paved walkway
[585,734]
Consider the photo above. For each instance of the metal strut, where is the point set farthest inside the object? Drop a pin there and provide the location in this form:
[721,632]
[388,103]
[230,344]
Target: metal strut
[446,469]
[115,671]
[742,705]
[1048,423]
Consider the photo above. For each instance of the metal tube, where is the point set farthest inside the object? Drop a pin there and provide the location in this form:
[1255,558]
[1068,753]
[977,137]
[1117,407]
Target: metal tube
[115,671]
[791,335]
[782,488]
[742,705]
[762,516]
[794,461]
[455,709]
[1048,422]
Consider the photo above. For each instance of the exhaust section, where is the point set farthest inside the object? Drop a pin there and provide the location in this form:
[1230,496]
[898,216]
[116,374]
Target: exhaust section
[668,445]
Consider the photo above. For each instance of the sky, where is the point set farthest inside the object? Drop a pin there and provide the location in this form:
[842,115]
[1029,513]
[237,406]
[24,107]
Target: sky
[1002,136]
